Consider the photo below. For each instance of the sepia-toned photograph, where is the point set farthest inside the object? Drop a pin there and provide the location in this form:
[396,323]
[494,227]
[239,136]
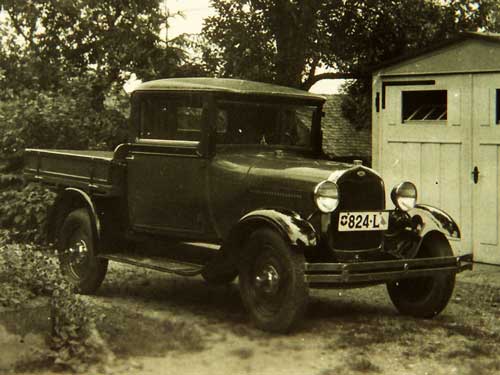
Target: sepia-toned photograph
[250,187]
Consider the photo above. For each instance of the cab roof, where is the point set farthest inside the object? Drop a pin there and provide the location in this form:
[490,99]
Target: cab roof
[226,85]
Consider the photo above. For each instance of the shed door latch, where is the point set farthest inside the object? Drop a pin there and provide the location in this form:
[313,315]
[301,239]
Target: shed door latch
[475,174]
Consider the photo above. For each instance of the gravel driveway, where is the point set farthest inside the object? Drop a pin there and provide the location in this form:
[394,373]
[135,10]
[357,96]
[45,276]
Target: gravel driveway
[161,324]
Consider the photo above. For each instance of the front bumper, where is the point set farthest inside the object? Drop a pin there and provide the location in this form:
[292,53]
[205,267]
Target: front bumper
[383,271]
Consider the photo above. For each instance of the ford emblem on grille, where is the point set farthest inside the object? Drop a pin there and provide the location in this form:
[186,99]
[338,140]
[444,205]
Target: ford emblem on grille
[361,173]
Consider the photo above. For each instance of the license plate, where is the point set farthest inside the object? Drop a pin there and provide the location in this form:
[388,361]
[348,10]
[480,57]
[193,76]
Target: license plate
[359,221]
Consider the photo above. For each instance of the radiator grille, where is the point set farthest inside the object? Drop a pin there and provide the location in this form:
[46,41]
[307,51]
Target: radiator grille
[362,192]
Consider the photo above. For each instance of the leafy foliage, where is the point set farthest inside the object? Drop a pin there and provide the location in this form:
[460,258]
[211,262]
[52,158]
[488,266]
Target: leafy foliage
[371,32]
[56,120]
[62,66]
[28,267]
[75,339]
[26,272]
[271,41]
[109,38]
[286,41]
[25,212]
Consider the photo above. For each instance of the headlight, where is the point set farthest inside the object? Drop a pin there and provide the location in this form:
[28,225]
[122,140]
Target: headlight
[404,196]
[326,196]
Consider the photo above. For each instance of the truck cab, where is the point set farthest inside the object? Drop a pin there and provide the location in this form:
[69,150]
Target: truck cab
[227,178]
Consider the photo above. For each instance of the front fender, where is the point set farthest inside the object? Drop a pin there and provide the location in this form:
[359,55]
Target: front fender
[294,229]
[433,219]
[408,230]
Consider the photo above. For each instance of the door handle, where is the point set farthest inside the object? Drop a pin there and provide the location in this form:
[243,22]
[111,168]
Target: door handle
[475,174]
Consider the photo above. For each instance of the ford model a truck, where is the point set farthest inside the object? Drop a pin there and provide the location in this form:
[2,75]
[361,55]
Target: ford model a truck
[225,178]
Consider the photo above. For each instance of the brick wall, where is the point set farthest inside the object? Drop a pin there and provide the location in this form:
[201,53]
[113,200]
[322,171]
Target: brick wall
[340,138]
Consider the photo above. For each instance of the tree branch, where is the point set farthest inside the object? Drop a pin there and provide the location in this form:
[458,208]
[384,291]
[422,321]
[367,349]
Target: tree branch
[311,80]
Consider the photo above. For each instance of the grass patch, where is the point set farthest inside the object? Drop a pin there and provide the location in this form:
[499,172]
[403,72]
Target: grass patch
[475,350]
[330,371]
[129,334]
[24,321]
[242,353]
[491,367]
[363,365]
[374,332]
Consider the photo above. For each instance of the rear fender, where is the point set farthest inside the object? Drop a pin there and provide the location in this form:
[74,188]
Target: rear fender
[68,200]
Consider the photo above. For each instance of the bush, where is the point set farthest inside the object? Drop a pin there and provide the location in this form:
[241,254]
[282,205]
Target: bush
[25,212]
[26,272]
[63,119]
[75,340]
[27,267]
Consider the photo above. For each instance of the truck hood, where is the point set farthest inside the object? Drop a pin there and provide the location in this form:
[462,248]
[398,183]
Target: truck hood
[243,180]
[290,172]
[271,169]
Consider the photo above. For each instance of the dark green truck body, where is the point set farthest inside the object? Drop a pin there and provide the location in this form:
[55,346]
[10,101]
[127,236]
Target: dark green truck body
[209,162]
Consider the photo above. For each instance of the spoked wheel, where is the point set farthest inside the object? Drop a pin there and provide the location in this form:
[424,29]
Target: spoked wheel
[77,258]
[272,282]
[424,297]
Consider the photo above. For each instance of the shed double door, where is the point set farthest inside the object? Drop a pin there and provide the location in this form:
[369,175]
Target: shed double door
[454,163]
[433,154]
[485,168]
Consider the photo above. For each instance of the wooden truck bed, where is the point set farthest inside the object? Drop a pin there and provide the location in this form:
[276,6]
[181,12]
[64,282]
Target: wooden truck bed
[93,171]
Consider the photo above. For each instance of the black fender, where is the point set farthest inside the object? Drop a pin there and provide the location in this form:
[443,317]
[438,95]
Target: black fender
[408,230]
[68,200]
[296,231]
[434,219]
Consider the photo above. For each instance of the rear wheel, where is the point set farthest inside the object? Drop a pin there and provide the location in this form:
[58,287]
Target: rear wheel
[77,257]
[425,297]
[272,283]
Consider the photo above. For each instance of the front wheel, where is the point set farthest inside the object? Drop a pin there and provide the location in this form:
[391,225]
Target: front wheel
[425,297]
[272,283]
[77,258]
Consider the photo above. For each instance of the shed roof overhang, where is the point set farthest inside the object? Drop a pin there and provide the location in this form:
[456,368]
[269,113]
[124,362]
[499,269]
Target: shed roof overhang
[468,52]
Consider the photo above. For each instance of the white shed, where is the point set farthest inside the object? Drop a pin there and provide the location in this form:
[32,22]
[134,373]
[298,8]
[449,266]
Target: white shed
[436,122]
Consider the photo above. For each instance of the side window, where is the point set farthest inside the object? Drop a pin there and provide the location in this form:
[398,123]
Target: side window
[189,121]
[424,106]
[167,118]
[154,119]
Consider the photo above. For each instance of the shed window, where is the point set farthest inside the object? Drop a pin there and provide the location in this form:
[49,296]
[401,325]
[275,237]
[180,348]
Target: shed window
[497,120]
[430,105]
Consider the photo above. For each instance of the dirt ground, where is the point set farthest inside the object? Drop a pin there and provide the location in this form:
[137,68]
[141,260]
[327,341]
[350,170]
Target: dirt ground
[161,324]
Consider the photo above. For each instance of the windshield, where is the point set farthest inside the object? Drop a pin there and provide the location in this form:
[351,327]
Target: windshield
[264,124]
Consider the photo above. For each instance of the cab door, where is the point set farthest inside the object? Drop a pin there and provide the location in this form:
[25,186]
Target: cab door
[166,170]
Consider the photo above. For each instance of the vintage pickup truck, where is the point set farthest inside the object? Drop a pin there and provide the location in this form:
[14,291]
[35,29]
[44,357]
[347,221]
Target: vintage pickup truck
[227,178]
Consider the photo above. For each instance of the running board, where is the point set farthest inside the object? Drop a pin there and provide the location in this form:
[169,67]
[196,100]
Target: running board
[161,264]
